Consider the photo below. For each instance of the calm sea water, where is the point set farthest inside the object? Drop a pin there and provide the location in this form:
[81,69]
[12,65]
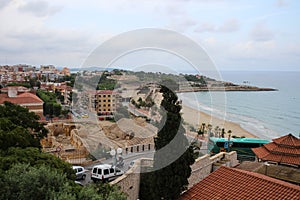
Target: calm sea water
[266,114]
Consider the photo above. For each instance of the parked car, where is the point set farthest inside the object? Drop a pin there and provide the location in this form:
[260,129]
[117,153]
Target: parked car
[80,172]
[105,172]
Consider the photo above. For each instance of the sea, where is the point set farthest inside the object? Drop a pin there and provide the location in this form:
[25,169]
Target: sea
[266,114]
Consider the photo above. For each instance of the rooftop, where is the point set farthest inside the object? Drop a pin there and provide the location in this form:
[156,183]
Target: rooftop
[288,140]
[231,183]
[285,150]
[24,98]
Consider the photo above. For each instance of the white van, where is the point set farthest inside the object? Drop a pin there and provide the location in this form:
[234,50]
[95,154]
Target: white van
[105,172]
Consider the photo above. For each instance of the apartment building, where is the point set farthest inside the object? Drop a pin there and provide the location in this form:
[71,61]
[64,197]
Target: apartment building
[105,102]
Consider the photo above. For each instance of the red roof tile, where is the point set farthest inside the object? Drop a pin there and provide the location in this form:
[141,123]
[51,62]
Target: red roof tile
[283,150]
[288,140]
[274,148]
[230,183]
[24,98]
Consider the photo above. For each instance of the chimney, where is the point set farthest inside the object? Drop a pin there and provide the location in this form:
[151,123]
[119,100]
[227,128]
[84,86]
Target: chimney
[12,92]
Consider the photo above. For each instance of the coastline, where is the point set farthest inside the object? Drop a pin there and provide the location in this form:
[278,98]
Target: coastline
[196,118]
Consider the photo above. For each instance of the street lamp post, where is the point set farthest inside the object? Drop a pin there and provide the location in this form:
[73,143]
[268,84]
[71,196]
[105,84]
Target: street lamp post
[114,153]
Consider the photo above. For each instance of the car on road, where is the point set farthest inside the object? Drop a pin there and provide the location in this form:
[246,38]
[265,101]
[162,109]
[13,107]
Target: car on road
[105,172]
[80,172]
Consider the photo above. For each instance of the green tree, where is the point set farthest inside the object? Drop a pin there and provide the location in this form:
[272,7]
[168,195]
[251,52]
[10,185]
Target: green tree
[50,107]
[17,136]
[168,182]
[56,109]
[34,157]
[23,181]
[21,116]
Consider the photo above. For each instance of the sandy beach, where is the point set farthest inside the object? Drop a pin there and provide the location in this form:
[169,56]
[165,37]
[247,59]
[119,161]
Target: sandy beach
[196,118]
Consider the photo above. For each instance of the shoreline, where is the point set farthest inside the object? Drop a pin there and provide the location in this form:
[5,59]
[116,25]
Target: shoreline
[196,118]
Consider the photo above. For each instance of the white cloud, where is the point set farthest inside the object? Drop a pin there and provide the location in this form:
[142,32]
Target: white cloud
[181,24]
[206,27]
[39,8]
[281,3]
[4,3]
[229,25]
[261,33]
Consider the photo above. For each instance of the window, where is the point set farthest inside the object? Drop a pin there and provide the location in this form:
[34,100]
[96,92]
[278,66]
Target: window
[111,170]
[108,100]
[220,144]
[108,105]
[106,171]
[99,171]
[79,170]
[104,95]
[95,170]
[108,95]
[245,145]
[104,100]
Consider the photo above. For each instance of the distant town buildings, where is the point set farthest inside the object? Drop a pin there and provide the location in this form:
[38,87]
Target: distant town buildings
[45,78]
[22,73]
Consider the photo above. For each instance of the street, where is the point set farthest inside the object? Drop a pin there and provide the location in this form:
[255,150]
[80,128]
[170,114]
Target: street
[127,160]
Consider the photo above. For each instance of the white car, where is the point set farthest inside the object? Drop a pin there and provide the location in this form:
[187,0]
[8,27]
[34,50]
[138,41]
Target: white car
[105,172]
[80,172]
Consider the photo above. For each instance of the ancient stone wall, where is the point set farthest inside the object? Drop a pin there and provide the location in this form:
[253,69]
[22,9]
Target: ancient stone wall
[129,183]
[203,166]
[138,148]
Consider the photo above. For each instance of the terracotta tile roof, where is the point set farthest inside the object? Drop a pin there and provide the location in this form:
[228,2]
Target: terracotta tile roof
[24,98]
[288,140]
[230,183]
[274,148]
[282,150]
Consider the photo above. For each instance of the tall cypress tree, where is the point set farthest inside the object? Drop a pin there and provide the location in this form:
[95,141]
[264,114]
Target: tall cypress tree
[173,155]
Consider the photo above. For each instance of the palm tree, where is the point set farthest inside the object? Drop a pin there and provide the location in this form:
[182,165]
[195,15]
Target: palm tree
[229,134]
[217,131]
[201,130]
[223,133]
[209,127]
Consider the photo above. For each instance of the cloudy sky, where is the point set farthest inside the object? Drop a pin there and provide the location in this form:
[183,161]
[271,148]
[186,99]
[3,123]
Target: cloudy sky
[237,35]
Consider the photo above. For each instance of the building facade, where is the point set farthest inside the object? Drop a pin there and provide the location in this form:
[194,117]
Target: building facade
[106,102]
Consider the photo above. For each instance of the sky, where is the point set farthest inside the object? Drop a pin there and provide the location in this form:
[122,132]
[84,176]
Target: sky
[236,35]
